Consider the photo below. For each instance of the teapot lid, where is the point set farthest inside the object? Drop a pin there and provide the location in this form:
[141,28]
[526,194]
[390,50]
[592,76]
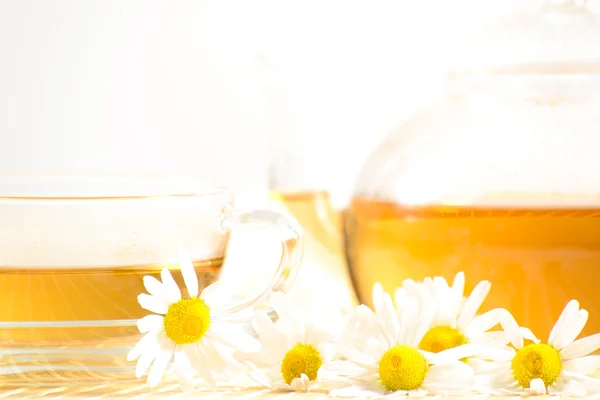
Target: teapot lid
[559,37]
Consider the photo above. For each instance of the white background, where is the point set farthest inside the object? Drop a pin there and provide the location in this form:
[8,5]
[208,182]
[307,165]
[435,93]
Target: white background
[179,86]
[292,94]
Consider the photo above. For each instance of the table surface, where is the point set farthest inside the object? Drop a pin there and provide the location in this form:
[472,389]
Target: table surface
[172,392]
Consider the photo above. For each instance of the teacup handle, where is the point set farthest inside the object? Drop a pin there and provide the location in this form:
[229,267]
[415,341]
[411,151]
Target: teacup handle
[290,235]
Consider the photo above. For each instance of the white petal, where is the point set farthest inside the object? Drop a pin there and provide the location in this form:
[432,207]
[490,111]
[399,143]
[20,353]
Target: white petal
[484,367]
[280,385]
[233,336]
[582,365]
[150,323]
[581,347]
[200,364]
[473,303]
[374,347]
[425,321]
[570,387]
[458,385]
[265,328]
[434,358]
[158,368]
[333,382]
[454,354]
[300,384]
[219,360]
[274,372]
[349,328]
[257,374]
[157,289]
[153,304]
[354,354]
[440,284]
[170,284]
[144,362]
[570,331]
[188,272]
[491,338]
[429,286]
[162,347]
[527,334]
[457,291]
[400,297]
[213,295]
[511,328]
[483,323]
[592,385]
[443,301]
[447,389]
[148,343]
[537,386]
[388,315]
[488,320]
[410,288]
[410,321]
[367,318]
[503,380]
[271,339]
[377,295]
[269,355]
[344,368]
[183,369]
[286,317]
[449,371]
[474,350]
[568,312]
[317,336]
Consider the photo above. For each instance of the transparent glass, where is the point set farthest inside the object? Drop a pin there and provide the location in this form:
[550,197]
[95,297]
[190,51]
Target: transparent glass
[74,250]
[499,179]
[304,181]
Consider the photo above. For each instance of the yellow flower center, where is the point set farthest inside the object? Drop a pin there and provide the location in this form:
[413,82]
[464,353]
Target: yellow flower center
[187,320]
[536,360]
[301,359]
[442,338]
[402,368]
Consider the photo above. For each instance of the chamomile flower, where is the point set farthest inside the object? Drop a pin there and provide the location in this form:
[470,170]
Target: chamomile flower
[562,366]
[292,350]
[196,332]
[455,321]
[383,358]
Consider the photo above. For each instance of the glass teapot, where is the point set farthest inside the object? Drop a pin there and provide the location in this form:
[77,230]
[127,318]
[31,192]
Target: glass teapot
[499,179]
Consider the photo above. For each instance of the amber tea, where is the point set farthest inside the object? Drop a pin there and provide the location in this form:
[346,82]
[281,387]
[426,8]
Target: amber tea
[314,211]
[536,258]
[72,294]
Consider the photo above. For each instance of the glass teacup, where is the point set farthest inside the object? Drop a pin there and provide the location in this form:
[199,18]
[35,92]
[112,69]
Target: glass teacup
[74,251]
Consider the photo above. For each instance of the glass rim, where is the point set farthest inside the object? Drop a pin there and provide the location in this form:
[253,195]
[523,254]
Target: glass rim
[107,186]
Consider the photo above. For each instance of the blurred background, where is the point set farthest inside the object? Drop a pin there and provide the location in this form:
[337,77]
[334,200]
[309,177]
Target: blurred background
[226,88]
[284,100]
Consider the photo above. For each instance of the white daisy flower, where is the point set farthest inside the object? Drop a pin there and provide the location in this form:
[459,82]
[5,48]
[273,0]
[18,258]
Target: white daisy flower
[197,333]
[383,358]
[562,366]
[292,350]
[455,320]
